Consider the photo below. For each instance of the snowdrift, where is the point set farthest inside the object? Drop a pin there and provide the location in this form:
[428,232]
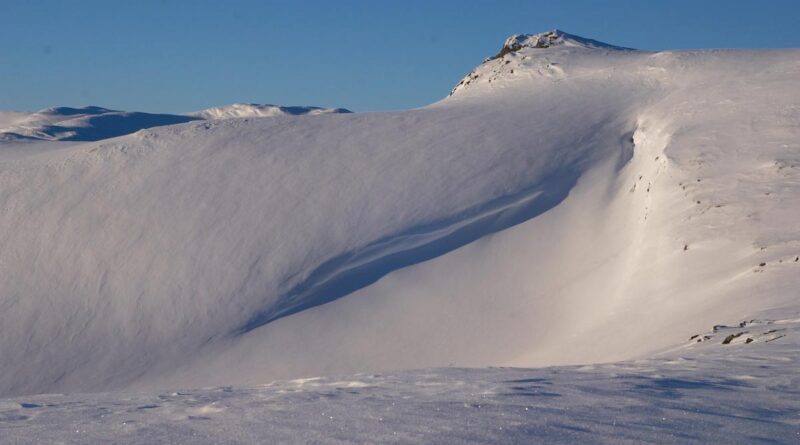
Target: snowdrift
[569,202]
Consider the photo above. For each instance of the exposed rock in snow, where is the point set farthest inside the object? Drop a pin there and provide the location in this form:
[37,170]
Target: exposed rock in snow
[555,38]
[522,53]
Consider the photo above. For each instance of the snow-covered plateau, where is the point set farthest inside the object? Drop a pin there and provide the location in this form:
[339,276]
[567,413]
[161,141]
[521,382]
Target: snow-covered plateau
[582,243]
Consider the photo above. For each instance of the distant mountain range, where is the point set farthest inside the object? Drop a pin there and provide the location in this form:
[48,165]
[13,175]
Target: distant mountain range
[96,123]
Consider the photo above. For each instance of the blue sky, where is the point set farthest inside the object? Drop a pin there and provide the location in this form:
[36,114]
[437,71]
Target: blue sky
[177,56]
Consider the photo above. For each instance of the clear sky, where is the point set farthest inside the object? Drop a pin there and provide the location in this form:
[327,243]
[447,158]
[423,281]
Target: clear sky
[178,56]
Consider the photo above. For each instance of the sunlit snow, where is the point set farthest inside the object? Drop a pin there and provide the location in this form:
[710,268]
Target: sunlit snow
[581,243]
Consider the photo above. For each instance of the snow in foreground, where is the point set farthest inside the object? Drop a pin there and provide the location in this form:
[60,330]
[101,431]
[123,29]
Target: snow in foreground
[739,393]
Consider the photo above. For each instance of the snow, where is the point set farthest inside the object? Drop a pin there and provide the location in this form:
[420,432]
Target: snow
[711,394]
[583,208]
[256,110]
[96,123]
[553,38]
[79,124]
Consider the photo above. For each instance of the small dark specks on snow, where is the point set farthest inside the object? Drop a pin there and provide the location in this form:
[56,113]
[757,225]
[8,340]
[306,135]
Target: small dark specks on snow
[147,407]
[773,339]
[685,247]
[762,264]
[698,202]
[796,259]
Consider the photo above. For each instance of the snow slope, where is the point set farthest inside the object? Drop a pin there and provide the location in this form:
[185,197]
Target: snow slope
[569,203]
[657,239]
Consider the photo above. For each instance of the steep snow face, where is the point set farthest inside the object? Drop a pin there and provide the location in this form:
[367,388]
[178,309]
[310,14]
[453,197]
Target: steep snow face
[179,237]
[594,204]
[696,225]
[258,110]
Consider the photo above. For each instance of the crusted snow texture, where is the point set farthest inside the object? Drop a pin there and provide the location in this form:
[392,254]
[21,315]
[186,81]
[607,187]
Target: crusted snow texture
[747,393]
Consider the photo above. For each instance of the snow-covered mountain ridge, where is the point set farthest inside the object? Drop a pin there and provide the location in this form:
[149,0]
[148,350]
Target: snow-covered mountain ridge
[259,110]
[96,123]
[523,53]
[568,204]
[554,38]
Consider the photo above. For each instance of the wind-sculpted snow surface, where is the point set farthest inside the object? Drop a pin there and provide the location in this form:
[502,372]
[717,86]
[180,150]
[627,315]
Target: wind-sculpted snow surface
[569,203]
[736,394]
[171,239]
